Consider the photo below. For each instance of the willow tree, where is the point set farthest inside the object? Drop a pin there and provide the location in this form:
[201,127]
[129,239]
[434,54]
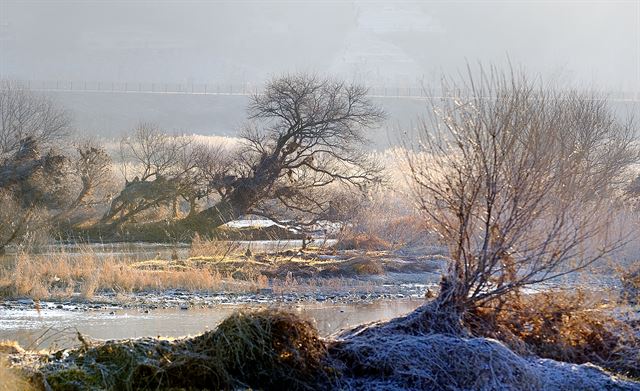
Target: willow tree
[307,136]
[517,179]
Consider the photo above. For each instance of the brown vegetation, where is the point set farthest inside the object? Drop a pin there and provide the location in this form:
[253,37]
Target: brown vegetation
[630,286]
[63,276]
[564,326]
[271,350]
[224,269]
[13,379]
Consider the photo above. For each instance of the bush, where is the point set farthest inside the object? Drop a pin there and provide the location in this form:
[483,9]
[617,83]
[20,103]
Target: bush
[631,287]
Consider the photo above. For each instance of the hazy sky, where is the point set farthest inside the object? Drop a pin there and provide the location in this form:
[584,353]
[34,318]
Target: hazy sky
[380,42]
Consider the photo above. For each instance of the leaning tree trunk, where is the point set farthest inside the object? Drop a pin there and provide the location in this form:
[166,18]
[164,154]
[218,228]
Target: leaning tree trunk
[206,221]
[239,202]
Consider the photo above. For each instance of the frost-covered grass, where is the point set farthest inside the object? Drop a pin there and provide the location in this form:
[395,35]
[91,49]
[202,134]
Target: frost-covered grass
[274,350]
[571,326]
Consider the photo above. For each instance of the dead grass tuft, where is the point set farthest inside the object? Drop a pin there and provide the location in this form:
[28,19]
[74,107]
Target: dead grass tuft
[63,276]
[275,350]
[10,347]
[363,241]
[269,349]
[630,287]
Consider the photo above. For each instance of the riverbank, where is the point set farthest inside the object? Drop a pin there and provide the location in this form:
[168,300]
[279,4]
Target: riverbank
[214,274]
[272,349]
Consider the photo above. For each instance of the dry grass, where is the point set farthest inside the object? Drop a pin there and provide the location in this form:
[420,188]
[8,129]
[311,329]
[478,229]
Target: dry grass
[427,349]
[11,380]
[631,286]
[212,266]
[10,347]
[274,350]
[268,349]
[61,276]
[213,248]
[363,241]
[570,327]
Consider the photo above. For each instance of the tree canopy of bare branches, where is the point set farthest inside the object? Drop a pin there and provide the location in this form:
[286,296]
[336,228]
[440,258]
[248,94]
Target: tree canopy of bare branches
[516,178]
[308,134]
[164,167]
[26,114]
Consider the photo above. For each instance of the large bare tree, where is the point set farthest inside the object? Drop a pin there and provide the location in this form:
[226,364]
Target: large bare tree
[306,138]
[308,135]
[517,177]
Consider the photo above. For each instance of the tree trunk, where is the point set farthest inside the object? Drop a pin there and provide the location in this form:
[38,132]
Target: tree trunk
[193,206]
[211,218]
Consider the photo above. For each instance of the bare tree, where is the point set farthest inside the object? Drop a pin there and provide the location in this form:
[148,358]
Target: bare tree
[34,177]
[516,177]
[165,167]
[24,114]
[31,125]
[14,220]
[90,168]
[308,134]
[30,185]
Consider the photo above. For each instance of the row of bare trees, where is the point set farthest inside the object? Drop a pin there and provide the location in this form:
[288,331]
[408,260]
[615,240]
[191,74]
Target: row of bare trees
[42,181]
[305,140]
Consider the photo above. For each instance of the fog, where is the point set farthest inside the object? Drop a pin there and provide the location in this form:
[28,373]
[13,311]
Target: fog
[379,43]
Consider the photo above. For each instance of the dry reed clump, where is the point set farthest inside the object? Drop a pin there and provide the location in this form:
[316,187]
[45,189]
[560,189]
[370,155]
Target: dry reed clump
[630,292]
[114,365]
[363,266]
[561,326]
[10,347]
[268,349]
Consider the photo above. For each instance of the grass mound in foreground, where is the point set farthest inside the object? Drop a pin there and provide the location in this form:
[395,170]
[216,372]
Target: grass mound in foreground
[275,350]
[266,349]
[421,351]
